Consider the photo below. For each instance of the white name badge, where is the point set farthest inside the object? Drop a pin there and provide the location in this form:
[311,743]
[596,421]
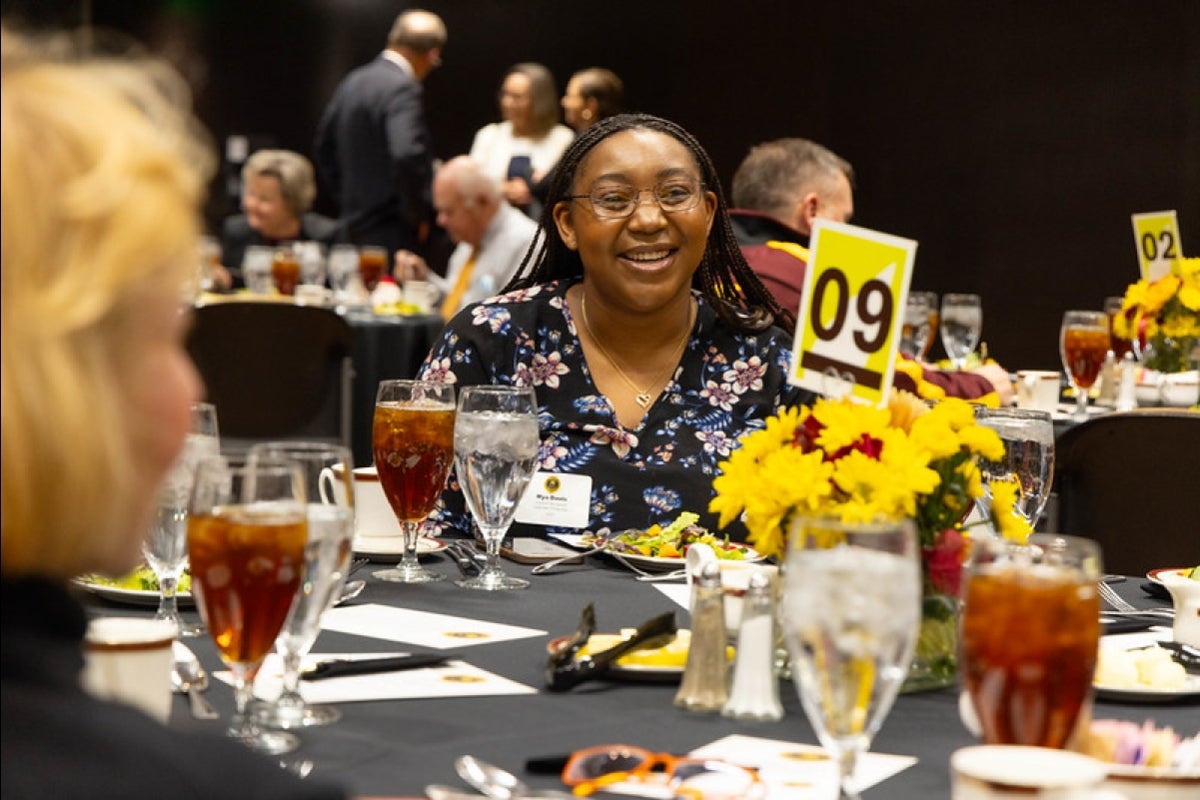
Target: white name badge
[1156,235]
[556,498]
[851,312]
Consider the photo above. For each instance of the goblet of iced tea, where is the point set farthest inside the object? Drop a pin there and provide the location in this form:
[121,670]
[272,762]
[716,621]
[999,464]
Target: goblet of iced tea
[285,271]
[372,264]
[247,528]
[412,442]
[1083,343]
[1112,308]
[1030,631]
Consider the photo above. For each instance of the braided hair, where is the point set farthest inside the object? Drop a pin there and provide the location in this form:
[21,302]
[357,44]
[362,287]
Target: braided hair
[723,277]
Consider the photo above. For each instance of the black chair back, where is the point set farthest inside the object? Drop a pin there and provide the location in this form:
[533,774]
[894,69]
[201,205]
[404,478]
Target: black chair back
[274,370]
[1131,481]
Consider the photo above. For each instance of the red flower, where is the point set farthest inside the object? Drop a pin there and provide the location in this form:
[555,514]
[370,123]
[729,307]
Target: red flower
[944,560]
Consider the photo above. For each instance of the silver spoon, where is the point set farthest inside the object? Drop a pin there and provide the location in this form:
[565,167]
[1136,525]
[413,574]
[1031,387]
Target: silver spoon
[351,590]
[190,678]
[499,784]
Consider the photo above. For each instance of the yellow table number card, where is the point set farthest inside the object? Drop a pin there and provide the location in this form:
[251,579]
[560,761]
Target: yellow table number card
[1156,235]
[851,312]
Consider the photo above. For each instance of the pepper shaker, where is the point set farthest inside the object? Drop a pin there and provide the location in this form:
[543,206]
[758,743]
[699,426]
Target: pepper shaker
[705,684]
[755,693]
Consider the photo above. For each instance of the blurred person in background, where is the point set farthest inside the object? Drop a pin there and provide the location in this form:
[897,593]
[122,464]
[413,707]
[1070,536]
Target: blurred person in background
[278,190]
[99,236]
[592,94]
[522,149]
[373,148]
[491,237]
[779,191]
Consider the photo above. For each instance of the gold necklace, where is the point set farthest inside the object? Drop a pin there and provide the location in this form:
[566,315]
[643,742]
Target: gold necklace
[641,396]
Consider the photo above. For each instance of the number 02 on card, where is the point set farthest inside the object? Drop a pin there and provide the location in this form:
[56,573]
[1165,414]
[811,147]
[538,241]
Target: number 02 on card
[851,311]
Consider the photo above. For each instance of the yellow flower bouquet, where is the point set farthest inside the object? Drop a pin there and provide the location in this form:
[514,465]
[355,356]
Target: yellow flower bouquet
[862,464]
[1163,318]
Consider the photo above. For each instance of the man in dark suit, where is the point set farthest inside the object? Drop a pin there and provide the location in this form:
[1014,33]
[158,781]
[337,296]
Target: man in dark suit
[373,150]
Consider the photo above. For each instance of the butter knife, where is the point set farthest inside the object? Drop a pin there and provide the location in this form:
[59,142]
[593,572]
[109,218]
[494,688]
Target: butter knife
[342,667]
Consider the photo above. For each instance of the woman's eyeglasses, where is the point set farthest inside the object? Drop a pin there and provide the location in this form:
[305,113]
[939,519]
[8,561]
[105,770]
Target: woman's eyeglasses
[594,768]
[618,200]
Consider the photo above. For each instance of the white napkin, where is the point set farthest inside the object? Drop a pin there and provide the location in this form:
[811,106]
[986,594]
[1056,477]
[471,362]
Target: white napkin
[452,679]
[800,771]
[439,631]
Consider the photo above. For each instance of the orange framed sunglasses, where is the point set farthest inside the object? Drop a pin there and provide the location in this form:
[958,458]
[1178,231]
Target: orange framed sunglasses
[594,768]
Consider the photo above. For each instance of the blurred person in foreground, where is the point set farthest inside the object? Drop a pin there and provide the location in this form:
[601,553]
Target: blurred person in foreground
[491,237]
[278,190]
[780,189]
[99,236]
[649,342]
[373,148]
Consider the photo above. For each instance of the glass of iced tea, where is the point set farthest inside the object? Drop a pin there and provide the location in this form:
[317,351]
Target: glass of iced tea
[412,442]
[247,529]
[1030,632]
[1083,343]
[372,264]
[285,271]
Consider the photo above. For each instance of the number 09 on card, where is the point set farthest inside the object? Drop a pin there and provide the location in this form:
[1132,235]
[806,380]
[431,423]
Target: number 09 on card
[851,311]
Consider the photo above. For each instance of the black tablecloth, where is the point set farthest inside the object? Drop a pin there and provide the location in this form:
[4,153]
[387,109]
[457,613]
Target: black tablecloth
[384,347]
[397,747]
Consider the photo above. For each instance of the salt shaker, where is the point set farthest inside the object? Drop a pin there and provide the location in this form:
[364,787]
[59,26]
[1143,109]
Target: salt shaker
[1127,394]
[755,693]
[705,684]
[1108,381]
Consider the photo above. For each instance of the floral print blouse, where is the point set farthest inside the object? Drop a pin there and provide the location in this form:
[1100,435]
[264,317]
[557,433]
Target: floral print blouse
[727,383]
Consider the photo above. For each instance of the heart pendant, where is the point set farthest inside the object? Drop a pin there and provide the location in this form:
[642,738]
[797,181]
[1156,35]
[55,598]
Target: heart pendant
[643,399]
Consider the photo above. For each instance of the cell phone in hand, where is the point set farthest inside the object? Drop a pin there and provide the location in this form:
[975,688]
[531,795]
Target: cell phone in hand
[530,550]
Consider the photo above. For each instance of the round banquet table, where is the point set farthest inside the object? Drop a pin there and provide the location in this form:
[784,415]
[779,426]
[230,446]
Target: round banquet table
[396,747]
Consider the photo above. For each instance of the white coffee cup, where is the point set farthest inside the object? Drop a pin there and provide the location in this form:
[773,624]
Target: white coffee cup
[313,296]
[995,772]
[1180,389]
[421,294]
[129,660]
[373,514]
[1038,389]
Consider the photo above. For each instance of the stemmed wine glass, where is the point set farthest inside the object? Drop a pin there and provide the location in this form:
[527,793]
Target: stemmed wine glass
[1028,437]
[961,326]
[327,562]
[495,454]
[247,530]
[851,604]
[165,545]
[931,299]
[413,445]
[914,337]
[1083,344]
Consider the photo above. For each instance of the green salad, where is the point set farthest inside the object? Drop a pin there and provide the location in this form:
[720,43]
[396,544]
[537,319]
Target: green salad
[674,540]
[141,579]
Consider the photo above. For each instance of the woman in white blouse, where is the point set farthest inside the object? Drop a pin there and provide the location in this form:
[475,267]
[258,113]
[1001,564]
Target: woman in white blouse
[524,147]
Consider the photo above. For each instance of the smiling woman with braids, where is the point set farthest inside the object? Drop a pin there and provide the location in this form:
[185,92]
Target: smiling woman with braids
[651,345]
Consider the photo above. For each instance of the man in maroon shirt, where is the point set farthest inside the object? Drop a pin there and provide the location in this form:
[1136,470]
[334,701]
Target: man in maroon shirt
[779,190]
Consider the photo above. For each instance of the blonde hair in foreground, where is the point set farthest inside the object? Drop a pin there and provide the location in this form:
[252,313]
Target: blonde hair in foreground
[102,177]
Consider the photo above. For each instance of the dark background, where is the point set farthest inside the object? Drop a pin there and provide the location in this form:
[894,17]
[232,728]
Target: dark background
[1012,139]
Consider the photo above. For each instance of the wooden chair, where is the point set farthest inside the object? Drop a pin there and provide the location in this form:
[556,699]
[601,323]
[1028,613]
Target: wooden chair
[1131,481]
[274,371]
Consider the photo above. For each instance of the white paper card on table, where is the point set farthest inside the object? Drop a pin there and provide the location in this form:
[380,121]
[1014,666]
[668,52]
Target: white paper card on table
[556,498]
[679,593]
[800,771]
[452,679]
[1156,236]
[439,631]
[851,312]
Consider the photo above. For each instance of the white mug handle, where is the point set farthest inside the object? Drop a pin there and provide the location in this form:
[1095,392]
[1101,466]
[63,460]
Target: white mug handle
[326,478]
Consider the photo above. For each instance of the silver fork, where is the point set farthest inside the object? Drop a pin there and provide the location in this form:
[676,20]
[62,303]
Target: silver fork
[1110,596]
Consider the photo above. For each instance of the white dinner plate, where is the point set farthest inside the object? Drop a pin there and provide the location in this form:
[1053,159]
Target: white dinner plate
[1148,694]
[135,597]
[391,548]
[633,672]
[648,563]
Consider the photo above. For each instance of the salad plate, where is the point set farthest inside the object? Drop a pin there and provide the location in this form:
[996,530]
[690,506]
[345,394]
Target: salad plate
[1157,575]
[391,548]
[663,664]
[1148,694]
[136,597]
